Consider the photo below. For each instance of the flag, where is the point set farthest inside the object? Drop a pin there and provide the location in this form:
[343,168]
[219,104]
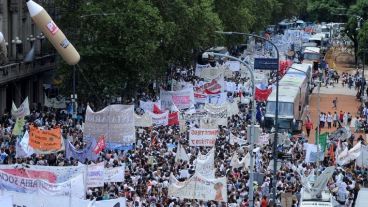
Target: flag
[156,109]
[100,145]
[322,141]
[173,118]
[331,153]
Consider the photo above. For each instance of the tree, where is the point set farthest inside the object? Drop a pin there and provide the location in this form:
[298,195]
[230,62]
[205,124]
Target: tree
[323,10]
[118,43]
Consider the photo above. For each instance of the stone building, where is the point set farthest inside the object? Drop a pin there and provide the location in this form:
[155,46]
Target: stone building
[27,71]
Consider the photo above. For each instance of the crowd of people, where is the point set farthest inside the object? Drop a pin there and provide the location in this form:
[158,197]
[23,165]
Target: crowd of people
[151,160]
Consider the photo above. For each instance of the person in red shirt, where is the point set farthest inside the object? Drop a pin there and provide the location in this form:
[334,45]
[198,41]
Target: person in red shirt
[264,202]
[341,117]
[308,126]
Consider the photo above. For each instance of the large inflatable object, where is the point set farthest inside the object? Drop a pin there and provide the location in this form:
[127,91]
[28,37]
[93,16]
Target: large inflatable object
[57,38]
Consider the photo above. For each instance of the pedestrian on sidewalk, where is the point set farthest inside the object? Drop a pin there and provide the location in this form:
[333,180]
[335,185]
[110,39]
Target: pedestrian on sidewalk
[334,119]
[341,116]
[308,126]
[334,103]
[329,120]
[322,120]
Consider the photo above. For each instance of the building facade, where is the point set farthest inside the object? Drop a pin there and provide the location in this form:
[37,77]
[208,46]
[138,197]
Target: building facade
[30,59]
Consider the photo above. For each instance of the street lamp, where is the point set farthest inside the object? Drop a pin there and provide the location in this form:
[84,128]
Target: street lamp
[40,37]
[18,43]
[206,55]
[31,39]
[274,181]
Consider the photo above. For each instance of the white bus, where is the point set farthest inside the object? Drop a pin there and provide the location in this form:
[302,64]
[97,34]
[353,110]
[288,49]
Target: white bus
[293,96]
[307,200]
[312,55]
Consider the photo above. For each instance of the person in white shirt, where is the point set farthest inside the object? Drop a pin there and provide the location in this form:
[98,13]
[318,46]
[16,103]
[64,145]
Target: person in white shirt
[329,120]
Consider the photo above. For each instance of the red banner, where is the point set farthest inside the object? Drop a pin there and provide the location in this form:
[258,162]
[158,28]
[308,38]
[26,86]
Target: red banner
[262,95]
[284,65]
[173,119]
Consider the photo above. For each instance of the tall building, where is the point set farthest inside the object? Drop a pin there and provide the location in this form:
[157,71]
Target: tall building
[26,71]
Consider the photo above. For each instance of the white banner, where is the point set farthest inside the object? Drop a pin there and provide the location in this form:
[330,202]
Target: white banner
[38,200]
[199,69]
[245,162]
[312,154]
[232,108]
[56,103]
[233,65]
[181,154]
[160,119]
[199,187]
[205,164]
[22,111]
[148,105]
[217,113]
[115,174]
[73,187]
[347,156]
[6,201]
[362,160]
[116,122]
[203,137]
[143,121]
[95,175]
[211,73]
[217,99]
[321,181]
[183,99]
[234,139]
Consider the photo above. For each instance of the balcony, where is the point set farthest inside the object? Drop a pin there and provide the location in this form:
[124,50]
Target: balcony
[19,70]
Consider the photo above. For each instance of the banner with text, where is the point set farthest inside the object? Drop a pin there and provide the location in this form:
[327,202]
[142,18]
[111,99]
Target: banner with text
[203,137]
[116,122]
[160,119]
[182,99]
[115,174]
[45,140]
[199,187]
[95,175]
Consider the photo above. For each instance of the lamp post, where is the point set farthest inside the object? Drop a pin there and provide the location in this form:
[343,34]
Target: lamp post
[31,39]
[40,37]
[274,180]
[17,42]
[206,55]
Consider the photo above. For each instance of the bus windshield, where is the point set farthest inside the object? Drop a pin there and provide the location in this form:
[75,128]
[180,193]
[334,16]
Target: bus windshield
[285,109]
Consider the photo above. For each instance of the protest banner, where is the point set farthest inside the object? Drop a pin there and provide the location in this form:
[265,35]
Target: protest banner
[114,174]
[45,140]
[116,122]
[52,174]
[199,68]
[56,103]
[234,139]
[233,65]
[211,73]
[346,156]
[312,154]
[322,141]
[262,95]
[181,154]
[37,200]
[160,119]
[200,96]
[205,164]
[22,111]
[148,105]
[232,108]
[362,160]
[144,120]
[74,187]
[263,139]
[217,99]
[199,187]
[6,201]
[95,175]
[217,113]
[183,99]
[203,137]
[81,154]
[18,127]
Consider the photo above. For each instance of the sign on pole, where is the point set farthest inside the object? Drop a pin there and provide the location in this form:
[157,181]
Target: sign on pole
[266,63]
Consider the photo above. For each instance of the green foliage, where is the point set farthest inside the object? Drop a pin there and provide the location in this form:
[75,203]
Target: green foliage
[125,44]
[323,10]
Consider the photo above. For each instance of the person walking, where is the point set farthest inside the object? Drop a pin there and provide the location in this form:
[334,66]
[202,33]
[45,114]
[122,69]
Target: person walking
[334,103]
[308,126]
[329,120]
[334,119]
